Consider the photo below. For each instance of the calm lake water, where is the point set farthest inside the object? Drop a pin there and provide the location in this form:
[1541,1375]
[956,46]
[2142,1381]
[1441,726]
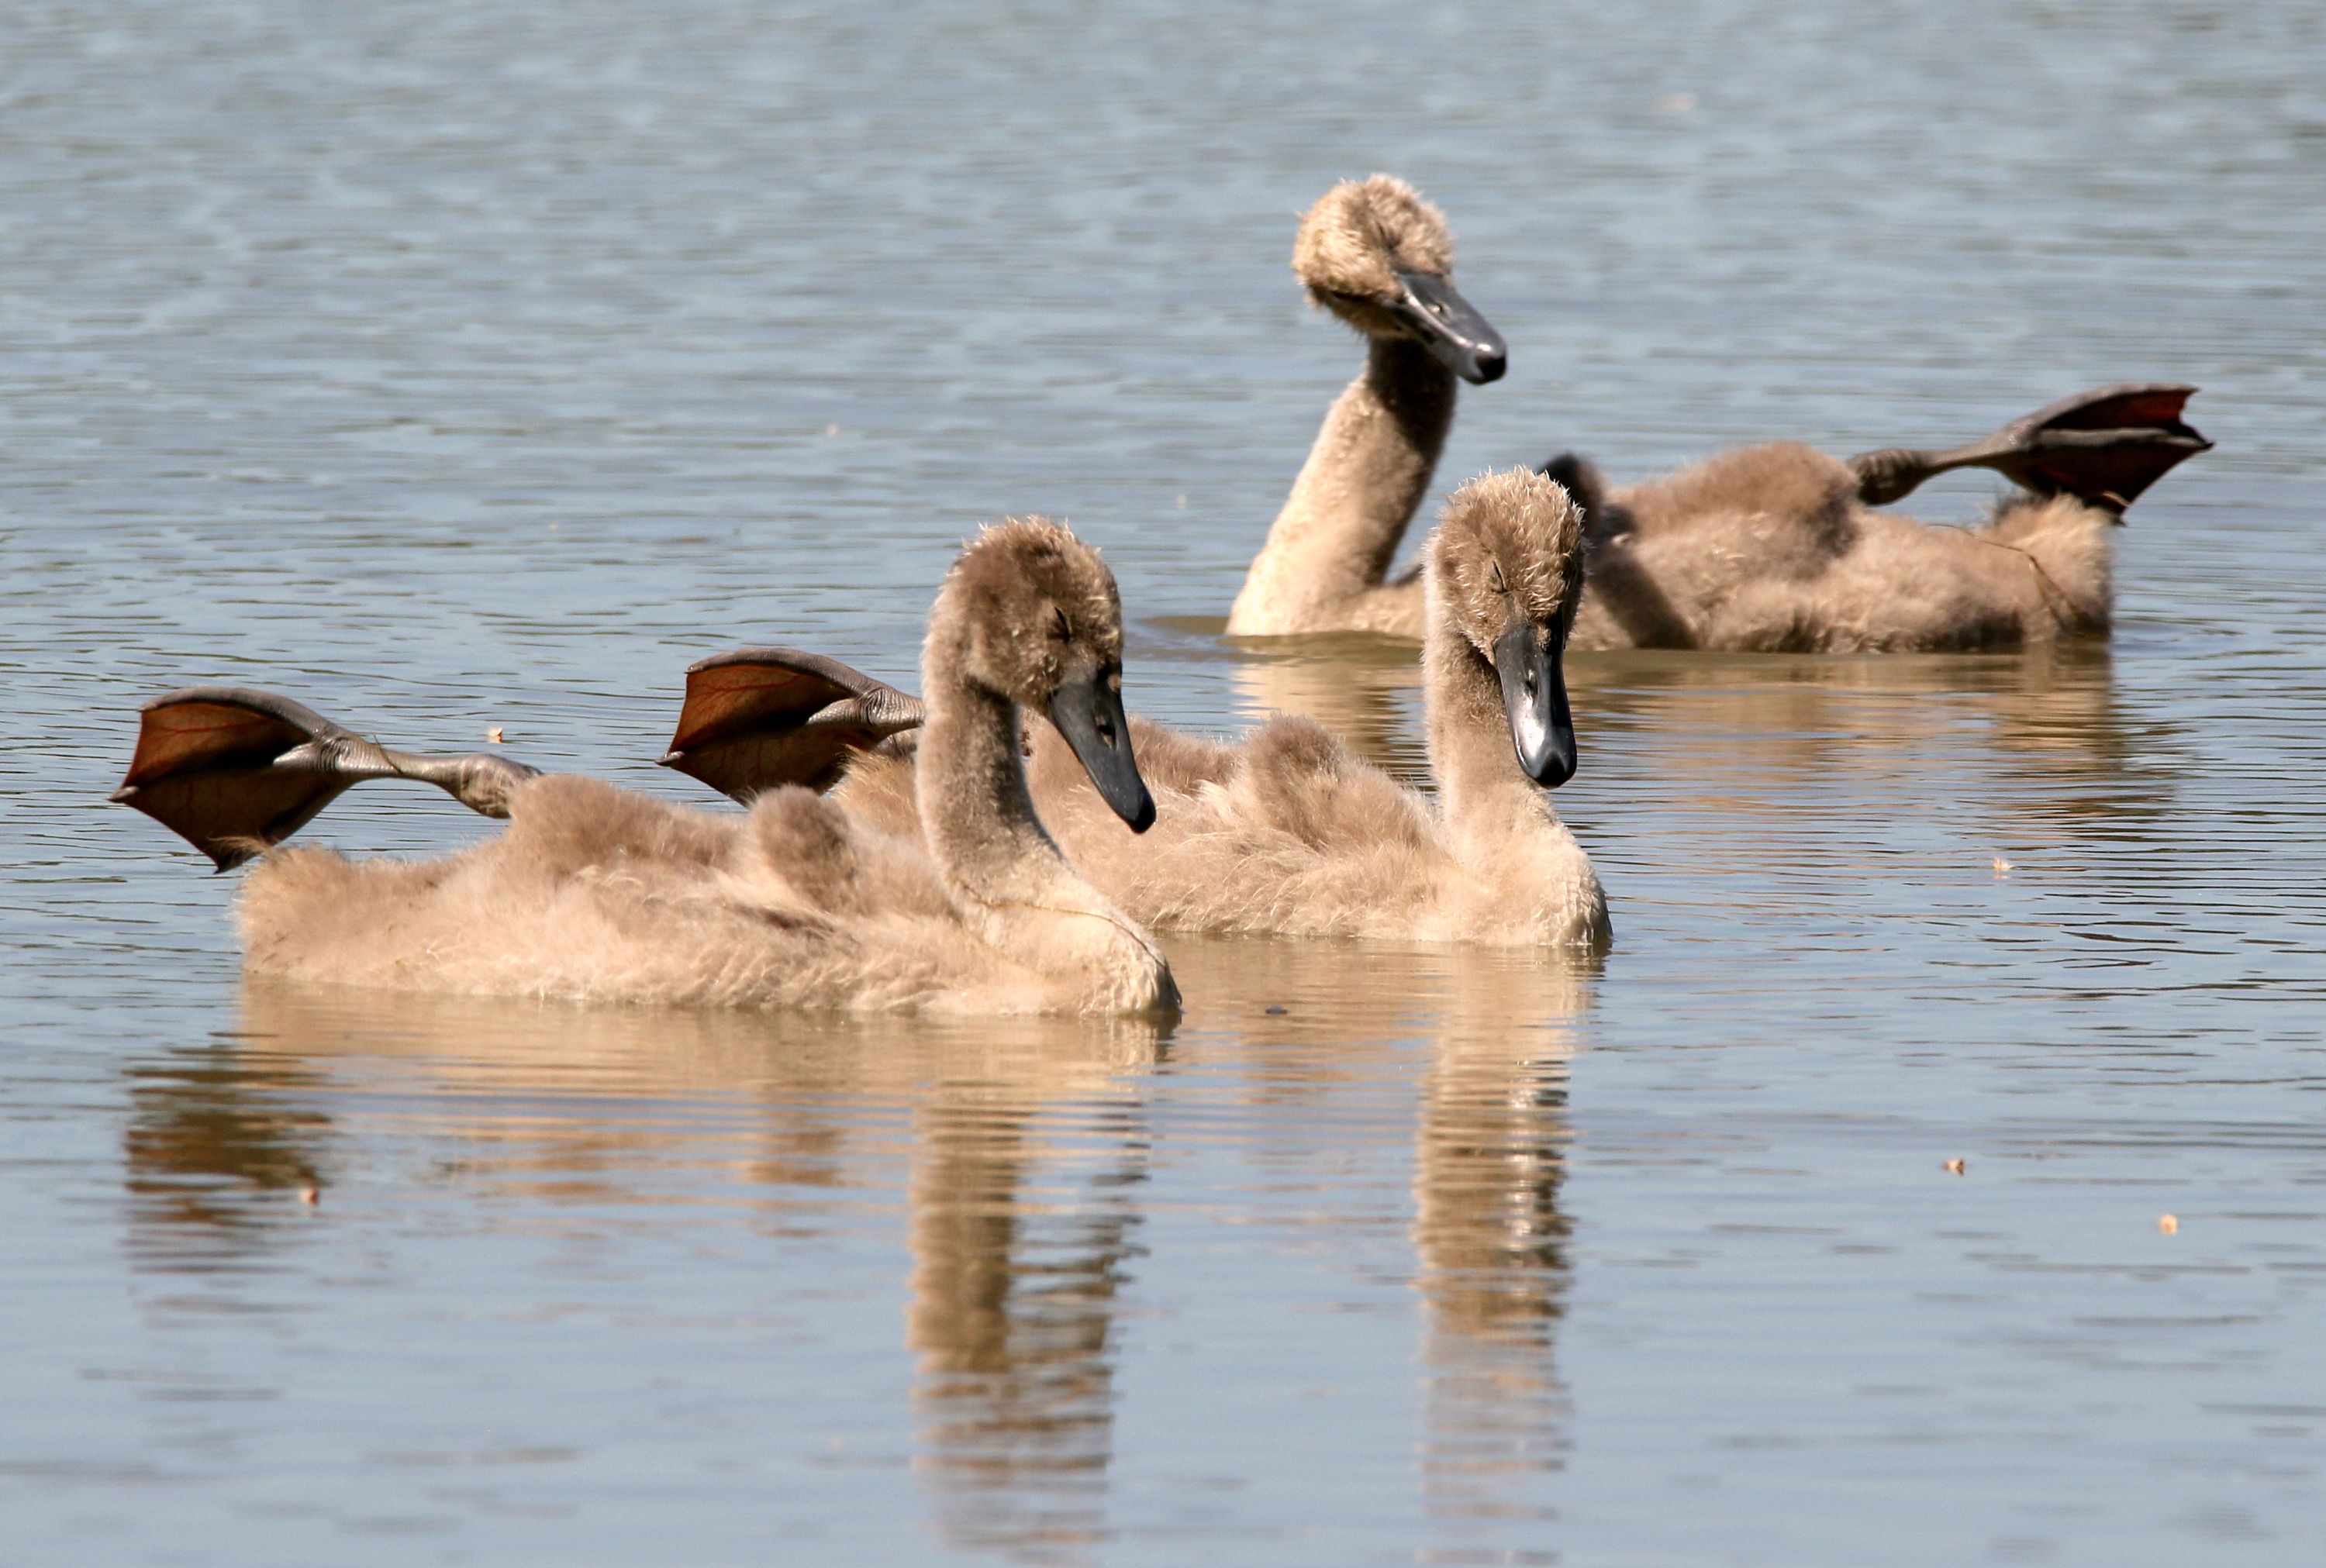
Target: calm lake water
[454,366]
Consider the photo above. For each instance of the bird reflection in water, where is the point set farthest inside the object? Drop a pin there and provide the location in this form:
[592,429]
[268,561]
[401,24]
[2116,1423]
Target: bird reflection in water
[2040,736]
[1485,1108]
[1024,1175]
[1025,1216]
[1020,1178]
[216,1142]
[1490,1155]
[1746,742]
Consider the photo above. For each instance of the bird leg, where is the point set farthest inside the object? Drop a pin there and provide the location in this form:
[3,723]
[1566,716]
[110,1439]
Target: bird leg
[760,717]
[2103,447]
[234,771]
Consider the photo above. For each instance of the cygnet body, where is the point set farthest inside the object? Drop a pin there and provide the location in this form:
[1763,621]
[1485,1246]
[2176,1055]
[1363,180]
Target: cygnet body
[1286,831]
[597,894]
[1771,547]
[1782,549]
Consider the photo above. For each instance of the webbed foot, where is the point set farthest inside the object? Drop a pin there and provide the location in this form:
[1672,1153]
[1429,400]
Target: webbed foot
[2104,447]
[760,717]
[235,771]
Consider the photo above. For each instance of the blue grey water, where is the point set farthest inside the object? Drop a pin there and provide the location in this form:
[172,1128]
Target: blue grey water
[454,365]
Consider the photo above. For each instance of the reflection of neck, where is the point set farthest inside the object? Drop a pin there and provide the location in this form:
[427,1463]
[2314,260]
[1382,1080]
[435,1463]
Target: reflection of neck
[1491,1245]
[1487,1175]
[1485,796]
[1012,1317]
[964,1200]
[1359,489]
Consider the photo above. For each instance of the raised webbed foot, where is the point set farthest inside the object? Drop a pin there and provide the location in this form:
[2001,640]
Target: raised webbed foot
[760,717]
[235,771]
[2103,447]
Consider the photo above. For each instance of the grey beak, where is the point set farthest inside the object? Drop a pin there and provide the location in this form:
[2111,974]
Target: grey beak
[1462,340]
[1534,697]
[1089,716]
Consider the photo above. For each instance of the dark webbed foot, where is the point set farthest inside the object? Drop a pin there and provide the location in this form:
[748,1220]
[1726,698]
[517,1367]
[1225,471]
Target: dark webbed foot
[211,766]
[234,771]
[2103,447]
[760,717]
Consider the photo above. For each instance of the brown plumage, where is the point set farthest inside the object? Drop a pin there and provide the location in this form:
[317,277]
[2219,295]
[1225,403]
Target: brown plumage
[1361,251]
[1779,548]
[1769,549]
[597,894]
[1775,548]
[1286,832]
[1354,240]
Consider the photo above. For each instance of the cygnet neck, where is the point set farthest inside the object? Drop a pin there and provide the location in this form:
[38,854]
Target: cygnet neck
[1365,474]
[1483,795]
[1005,874]
[976,812]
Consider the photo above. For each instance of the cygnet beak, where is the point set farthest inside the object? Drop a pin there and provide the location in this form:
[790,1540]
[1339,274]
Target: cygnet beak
[1450,327]
[1088,712]
[1534,697]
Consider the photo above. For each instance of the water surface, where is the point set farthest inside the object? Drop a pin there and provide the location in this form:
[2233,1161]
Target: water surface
[453,366]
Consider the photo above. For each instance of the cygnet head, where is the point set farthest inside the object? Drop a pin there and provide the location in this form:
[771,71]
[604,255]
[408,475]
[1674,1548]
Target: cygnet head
[1033,616]
[1379,257]
[1506,569]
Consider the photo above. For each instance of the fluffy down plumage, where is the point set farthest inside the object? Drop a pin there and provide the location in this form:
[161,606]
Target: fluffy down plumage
[597,894]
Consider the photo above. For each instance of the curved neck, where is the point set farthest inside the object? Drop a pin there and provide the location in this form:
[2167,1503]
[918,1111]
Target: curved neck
[1483,795]
[976,812]
[1007,877]
[1364,478]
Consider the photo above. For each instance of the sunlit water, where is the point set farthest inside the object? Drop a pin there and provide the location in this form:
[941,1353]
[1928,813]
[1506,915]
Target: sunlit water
[460,365]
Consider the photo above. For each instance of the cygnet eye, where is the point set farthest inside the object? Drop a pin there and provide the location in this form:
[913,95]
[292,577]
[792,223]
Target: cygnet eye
[1065,629]
[1494,576]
